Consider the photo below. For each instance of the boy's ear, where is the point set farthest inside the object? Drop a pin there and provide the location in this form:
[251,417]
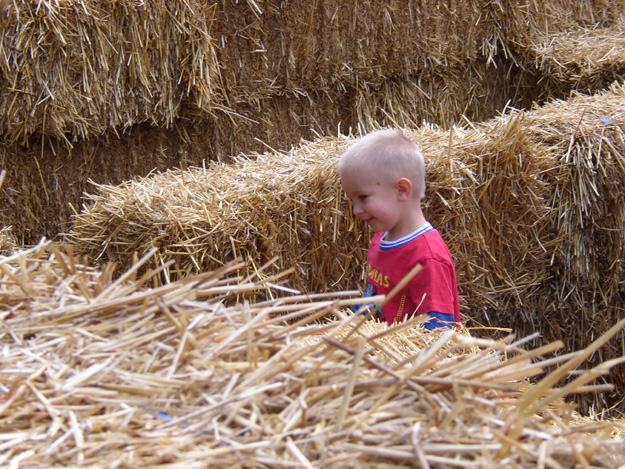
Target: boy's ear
[404,189]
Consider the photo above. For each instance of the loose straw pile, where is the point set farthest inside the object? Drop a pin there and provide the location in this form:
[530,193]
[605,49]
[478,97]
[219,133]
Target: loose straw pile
[109,373]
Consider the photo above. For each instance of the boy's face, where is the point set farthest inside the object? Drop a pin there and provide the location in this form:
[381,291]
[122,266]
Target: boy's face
[376,202]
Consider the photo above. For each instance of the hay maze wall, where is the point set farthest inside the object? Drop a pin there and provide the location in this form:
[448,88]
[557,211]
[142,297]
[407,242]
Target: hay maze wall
[177,84]
[109,91]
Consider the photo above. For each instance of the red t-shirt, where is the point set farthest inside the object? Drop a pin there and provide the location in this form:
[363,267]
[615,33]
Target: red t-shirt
[390,262]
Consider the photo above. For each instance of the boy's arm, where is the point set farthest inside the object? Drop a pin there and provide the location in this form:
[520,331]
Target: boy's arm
[438,281]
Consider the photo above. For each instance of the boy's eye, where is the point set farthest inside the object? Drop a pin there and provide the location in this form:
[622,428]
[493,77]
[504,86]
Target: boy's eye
[362,198]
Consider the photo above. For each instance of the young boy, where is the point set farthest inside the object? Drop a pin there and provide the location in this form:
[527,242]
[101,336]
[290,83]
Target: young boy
[383,174]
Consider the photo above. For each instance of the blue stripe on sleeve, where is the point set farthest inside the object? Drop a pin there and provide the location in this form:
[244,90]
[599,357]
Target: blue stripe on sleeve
[439,320]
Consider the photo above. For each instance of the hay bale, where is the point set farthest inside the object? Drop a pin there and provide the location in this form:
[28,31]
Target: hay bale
[7,239]
[554,228]
[284,205]
[77,69]
[566,47]
[359,50]
[8,243]
[586,59]
[44,183]
[100,372]
[291,205]
[271,98]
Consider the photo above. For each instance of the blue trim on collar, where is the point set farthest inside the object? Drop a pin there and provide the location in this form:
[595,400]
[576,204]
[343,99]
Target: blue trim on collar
[387,245]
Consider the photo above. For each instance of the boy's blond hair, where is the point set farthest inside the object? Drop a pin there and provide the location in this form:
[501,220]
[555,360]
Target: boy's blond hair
[389,154]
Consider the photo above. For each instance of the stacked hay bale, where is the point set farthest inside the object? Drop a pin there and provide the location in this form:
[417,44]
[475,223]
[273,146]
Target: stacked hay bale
[7,240]
[287,206]
[568,46]
[545,231]
[80,69]
[397,63]
[100,373]
[73,76]
[111,90]
[360,63]
[529,203]
[572,59]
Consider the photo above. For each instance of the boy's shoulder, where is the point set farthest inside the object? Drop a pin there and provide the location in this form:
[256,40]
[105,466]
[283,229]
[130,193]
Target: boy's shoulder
[431,244]
[436,243]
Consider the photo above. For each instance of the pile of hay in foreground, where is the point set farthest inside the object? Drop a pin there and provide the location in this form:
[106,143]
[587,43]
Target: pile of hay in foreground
[102,373]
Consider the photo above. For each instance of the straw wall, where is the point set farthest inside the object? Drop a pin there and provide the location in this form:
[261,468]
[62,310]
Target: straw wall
[44,189]
[173,83]
[77,69]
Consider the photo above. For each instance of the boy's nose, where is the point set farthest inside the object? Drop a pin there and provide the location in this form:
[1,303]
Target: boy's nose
[358,210]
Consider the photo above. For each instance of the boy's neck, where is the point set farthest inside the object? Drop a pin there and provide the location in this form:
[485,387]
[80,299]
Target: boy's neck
[411,223]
